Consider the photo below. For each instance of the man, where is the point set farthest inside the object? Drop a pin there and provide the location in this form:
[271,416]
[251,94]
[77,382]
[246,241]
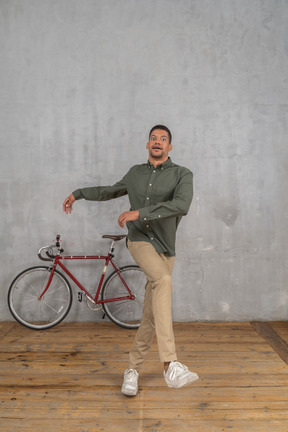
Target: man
[160,193]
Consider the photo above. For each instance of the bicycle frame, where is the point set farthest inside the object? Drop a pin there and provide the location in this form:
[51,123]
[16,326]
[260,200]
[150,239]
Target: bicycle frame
[108,259]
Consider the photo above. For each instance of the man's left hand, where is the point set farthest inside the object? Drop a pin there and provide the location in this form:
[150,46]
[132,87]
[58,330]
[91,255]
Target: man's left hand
[128,216]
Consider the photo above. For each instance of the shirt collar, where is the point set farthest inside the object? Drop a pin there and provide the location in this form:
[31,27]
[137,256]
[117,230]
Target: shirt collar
[166,164]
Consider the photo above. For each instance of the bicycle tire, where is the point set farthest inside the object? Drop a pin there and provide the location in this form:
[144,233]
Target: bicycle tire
[24,303]
[125,313]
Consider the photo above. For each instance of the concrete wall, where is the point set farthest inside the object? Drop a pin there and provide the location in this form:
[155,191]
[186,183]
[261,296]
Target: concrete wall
[82,82]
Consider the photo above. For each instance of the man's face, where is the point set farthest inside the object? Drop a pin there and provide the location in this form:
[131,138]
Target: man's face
[159,145]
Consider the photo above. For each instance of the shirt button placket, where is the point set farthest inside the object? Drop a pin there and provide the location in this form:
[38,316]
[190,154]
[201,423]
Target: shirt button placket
[147,203]
[150,188]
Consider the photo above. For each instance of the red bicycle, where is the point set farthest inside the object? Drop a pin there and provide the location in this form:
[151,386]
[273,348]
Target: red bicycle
[40,297]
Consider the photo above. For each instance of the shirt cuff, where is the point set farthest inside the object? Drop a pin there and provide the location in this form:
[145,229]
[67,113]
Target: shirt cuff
[77,194]
[144,215]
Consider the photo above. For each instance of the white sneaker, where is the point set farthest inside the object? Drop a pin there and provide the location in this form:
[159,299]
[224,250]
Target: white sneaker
[130,384]
[179,375]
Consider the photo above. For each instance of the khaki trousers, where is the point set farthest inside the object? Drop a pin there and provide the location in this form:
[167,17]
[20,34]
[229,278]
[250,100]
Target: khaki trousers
[157,313]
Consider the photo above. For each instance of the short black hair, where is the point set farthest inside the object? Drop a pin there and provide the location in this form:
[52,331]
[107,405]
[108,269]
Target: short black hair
[161,127]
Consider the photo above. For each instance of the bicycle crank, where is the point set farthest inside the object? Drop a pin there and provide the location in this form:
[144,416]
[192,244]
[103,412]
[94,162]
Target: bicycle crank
[92,305]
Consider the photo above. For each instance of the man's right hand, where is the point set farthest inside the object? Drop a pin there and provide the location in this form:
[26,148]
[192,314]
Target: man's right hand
[68,204]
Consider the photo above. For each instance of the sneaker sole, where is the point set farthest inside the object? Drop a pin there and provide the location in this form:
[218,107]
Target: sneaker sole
[129,393]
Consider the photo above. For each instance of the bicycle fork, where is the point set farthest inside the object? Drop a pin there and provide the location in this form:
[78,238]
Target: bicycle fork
[51,270]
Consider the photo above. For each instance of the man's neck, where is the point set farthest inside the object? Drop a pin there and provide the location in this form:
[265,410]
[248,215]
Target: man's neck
[155,162]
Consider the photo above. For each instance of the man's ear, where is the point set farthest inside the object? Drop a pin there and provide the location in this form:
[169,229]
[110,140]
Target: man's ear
[147,145]
[170,147]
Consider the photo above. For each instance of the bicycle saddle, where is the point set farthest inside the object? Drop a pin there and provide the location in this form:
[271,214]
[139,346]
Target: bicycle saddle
[114,237]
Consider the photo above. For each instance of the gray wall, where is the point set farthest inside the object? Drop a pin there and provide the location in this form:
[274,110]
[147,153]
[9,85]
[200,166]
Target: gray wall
[83,81]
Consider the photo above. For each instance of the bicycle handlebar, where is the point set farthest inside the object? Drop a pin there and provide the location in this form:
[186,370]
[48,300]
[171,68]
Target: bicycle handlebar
[41,257]
[49,250]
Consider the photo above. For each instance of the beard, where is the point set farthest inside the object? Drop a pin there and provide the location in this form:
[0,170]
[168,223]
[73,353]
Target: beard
[156,154]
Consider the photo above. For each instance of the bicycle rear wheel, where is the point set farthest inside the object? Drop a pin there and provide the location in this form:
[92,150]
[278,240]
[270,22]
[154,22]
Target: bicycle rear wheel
[125,313]
[24,293]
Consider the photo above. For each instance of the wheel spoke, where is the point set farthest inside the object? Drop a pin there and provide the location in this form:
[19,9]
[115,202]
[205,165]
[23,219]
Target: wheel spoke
[24,302]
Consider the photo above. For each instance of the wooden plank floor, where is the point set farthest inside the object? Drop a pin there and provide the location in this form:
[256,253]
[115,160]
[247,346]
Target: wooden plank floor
[69,379]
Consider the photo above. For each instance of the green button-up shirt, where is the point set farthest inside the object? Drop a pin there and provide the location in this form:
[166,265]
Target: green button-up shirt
[162,195]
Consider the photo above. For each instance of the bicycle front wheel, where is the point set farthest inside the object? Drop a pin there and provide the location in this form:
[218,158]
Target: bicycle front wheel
[125,313]
[35,313]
